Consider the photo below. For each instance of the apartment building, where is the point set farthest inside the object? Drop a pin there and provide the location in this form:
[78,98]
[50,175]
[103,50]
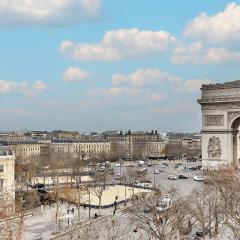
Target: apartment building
[137,145]
[7,161]
[84,149]
[25,149]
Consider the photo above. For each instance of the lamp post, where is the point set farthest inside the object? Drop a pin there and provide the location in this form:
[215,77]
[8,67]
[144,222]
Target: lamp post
[89,202]
[120,171]
[125,203]
[154,177]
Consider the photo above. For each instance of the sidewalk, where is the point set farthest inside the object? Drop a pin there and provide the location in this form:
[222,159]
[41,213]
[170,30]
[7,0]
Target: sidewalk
[42,223]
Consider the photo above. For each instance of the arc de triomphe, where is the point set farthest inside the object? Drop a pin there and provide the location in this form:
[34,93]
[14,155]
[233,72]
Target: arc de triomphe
[220,105]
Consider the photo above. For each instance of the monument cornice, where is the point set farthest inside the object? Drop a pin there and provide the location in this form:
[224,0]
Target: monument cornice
[218,100]
[218,131]
[227,85]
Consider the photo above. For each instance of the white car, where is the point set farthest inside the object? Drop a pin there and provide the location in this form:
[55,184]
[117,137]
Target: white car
[172,177]
[117,165]
[156,171]
[140,163]
[198,178]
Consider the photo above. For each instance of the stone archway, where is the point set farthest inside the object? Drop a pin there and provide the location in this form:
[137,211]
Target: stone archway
[235,126]
[220,105]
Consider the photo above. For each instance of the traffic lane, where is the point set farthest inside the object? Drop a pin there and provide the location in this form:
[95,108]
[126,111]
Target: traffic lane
[184,186]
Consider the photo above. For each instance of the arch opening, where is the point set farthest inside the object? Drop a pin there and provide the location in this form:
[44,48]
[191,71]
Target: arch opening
[236,140]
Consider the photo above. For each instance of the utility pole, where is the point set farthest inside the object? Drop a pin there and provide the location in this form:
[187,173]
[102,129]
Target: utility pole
[89,202]
[120,170]
[154,175]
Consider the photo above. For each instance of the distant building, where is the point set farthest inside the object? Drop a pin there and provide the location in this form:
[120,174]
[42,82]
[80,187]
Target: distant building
[7,161]
[137,145]
[82,149]
[59,134]
[192,143]
[25,149]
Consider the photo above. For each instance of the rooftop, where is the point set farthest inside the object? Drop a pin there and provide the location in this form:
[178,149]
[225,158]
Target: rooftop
[5,150]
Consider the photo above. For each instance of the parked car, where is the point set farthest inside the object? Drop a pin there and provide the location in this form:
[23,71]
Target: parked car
[165,164]
[156,171]
[198,178]
[181,176]
[198,234]
[39,186]
[178,164]
[140,163]
[117,165]
[172,177]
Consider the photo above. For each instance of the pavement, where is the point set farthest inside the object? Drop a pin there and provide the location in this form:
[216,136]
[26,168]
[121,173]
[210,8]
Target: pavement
[42,223]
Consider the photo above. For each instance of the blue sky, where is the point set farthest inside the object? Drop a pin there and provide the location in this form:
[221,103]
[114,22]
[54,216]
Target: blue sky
[113,64]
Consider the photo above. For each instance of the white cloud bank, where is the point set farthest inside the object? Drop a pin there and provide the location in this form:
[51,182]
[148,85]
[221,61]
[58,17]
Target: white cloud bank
[142,77]
[221,27]
[147,86]
[211,55]
[22,87]
[48,12]
[120,44]
[75,74]
[218,38]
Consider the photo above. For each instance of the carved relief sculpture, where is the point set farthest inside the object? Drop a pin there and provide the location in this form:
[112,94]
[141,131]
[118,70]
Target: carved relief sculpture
[214,120]
[214,147]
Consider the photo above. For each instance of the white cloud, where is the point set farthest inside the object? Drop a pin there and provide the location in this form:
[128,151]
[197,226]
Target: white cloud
[221,27]
[195,84]
[190,48]
[122,92]
[75,74]
[210,55]
[6,86]
[179,107]
[48,13]
[155,97]
[119,44]
[40,85]
[141,77]
[22,87]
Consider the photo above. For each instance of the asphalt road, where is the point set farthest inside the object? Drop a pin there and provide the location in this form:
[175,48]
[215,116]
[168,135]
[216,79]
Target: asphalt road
[184,186]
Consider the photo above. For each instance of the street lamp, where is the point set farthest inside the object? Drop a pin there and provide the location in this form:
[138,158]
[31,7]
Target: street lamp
[89,203]
[120,170]
[154,177]
[68,211]
[125,203]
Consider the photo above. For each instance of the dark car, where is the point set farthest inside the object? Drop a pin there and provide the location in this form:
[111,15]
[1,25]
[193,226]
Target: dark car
[182,176]
[39,186]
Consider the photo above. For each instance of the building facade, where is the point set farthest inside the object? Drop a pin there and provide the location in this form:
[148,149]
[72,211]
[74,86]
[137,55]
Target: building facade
[7,162]
[137,145]
[82,149]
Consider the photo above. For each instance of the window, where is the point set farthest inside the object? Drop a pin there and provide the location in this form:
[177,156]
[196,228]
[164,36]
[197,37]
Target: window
[1,168]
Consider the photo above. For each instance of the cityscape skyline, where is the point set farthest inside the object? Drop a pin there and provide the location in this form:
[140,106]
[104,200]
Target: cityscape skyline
[97,65]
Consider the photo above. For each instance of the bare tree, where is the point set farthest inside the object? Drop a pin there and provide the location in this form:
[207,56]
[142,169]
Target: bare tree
[159,215]
[226,183]
[97,190]
[11,218]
